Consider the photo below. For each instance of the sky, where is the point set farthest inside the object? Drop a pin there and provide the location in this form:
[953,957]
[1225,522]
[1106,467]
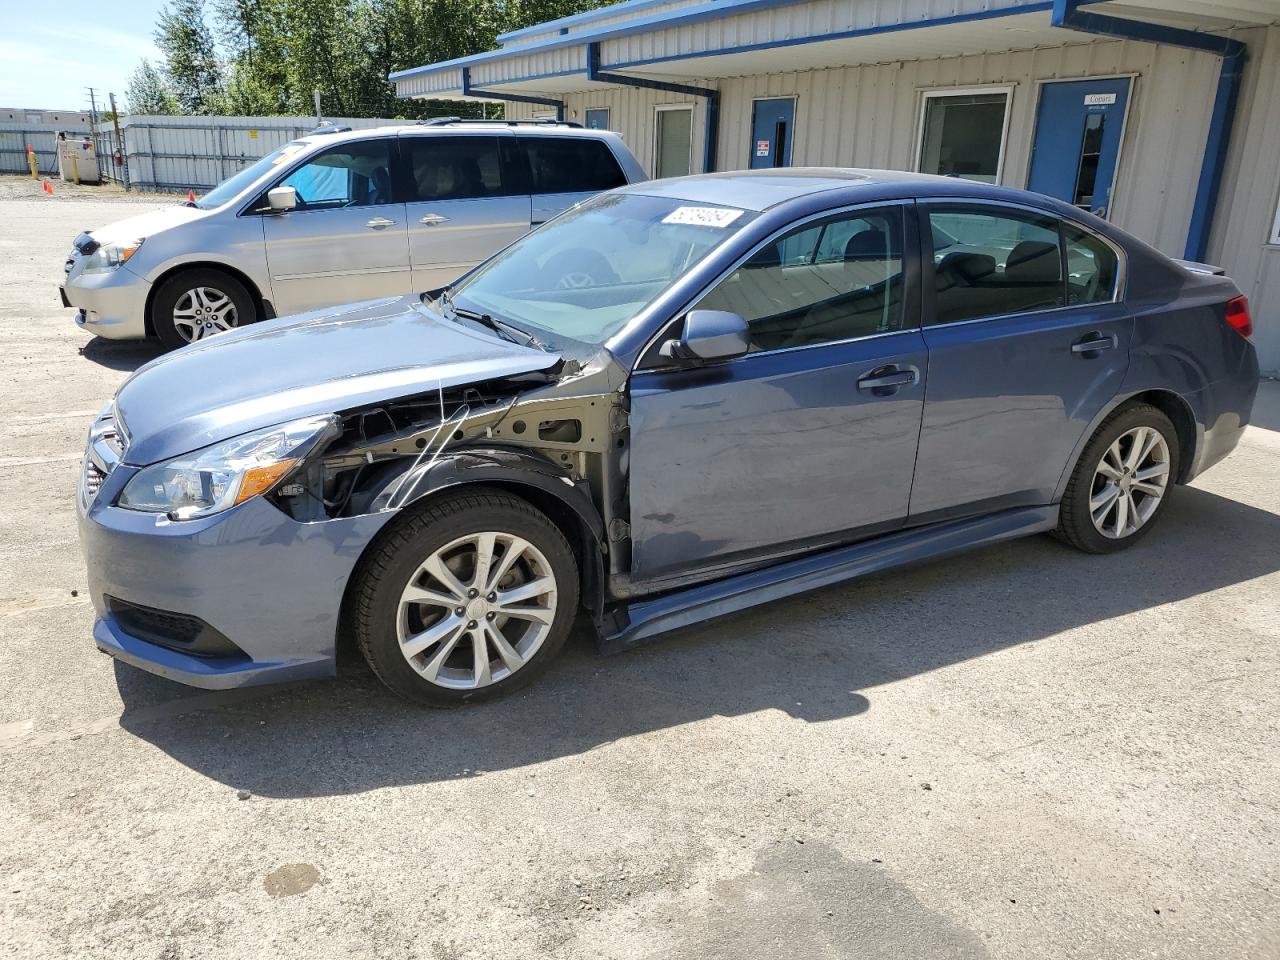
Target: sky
[49,53]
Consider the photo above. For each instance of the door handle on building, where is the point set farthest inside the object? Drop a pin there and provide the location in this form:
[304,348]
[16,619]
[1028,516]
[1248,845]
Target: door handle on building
[431,219]
[377,223]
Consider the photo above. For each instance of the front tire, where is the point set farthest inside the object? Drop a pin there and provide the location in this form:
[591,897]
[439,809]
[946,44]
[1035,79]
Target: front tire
[1122,482]
[466,599]
[195,304]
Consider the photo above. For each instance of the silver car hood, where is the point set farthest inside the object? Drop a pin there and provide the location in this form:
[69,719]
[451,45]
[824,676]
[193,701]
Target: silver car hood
[145,225]
[321,362]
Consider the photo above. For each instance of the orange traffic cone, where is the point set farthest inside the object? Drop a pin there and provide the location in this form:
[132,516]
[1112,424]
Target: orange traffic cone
[191,195]
[48,188]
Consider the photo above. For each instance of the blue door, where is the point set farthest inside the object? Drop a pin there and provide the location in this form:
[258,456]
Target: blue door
[1078,128]
[1023,356]
[771,132]
[808,439]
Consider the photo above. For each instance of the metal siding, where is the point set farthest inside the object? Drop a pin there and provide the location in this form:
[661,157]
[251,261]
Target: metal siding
[15,135]
[1251,192]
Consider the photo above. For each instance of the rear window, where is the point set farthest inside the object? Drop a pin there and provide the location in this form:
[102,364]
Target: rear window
[571,165]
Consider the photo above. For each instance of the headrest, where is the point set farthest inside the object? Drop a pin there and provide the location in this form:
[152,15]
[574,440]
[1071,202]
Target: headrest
[867,244]
[1034,261]
[969,268]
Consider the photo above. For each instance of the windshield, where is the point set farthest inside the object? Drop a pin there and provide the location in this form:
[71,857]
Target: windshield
[237,183]
[589,271]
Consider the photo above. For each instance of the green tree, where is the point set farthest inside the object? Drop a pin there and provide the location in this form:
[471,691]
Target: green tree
[148,93]
[191,63]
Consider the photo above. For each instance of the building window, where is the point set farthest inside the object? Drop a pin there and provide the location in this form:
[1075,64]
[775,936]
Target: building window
[598,118]
[962,133]
[673,141]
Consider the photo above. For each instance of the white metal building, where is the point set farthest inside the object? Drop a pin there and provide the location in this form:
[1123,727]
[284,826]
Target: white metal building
[1162,115]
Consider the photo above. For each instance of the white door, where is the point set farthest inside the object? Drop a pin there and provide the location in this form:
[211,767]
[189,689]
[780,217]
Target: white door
[673,142]
[467,199]
[346,239]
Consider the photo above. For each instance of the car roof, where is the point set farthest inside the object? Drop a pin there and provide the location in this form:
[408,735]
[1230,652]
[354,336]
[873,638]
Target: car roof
[453,129]
[762,189]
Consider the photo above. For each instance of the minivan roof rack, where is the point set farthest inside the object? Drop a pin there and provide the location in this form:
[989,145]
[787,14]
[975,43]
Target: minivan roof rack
[537,121]
[327,127]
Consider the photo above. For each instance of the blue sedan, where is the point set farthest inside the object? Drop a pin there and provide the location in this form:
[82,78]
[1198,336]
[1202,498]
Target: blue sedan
[675,401]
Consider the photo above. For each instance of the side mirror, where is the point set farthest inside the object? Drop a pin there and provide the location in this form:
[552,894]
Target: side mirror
[709,335]
[281,199]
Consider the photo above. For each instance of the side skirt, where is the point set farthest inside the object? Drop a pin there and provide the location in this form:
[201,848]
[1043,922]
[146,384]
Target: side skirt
[626,625]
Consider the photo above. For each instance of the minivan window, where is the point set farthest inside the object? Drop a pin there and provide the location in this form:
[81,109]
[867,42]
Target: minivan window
[835,280]
[572,165]
[996,263]
[593,268]
[237,183]
[356,174]
[455,168]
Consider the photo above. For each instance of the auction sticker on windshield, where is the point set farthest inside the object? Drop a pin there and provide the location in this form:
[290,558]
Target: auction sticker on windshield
[719,217]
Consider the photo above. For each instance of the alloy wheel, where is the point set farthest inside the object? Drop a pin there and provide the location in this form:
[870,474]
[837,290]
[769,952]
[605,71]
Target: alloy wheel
[203,312]
[1129,482]
[476,610]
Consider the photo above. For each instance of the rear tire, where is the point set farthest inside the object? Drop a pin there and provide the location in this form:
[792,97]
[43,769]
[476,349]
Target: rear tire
[195,304]
[1122,481]
[466,599]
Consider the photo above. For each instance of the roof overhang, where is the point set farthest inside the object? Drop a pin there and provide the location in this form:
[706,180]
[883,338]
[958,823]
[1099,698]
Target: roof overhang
[676,43]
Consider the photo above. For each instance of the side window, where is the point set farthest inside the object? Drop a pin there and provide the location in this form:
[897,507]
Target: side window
[349,175]
[571,165]
[834,280]
[989,263]
[454,168]
[1092,267]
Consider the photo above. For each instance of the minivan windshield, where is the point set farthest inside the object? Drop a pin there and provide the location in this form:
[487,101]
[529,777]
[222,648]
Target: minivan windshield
[589,271]
[237,183]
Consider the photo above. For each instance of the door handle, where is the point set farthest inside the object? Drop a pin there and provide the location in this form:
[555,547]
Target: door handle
[378,223]
[431,219]
[1092,343]
[887,379]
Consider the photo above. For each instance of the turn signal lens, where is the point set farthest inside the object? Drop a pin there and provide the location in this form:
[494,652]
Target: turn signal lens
[1238,316]
[261,479]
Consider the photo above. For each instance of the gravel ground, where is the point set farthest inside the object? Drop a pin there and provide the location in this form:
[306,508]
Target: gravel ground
[1022,752]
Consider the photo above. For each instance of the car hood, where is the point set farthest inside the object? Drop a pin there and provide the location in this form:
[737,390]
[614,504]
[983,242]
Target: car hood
[315,363]
[147,224]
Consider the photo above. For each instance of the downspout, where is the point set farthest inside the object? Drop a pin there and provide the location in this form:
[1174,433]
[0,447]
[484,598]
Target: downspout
[469,91]
[711,138]
[1233,54]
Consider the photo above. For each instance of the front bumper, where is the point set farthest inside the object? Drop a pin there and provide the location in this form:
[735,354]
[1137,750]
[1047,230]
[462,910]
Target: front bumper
[270,585]
[111,304]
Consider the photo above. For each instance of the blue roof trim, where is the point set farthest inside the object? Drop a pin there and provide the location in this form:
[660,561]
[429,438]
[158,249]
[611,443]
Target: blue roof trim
[587,16]
[711,10]
[1040,6]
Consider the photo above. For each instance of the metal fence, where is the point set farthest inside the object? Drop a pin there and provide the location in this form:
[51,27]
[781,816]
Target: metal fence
[177,154]
[14,138]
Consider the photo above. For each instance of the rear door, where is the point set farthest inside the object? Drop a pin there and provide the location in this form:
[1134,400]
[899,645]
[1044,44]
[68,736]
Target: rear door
[807,440]
[467,199]
[346,239]
[565,170]
[1023,355]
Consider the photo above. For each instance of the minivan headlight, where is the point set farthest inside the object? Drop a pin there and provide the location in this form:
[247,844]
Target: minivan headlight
[111,255]
[215,479]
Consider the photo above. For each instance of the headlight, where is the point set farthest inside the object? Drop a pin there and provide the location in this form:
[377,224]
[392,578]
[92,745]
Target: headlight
[111,255]
[216,478]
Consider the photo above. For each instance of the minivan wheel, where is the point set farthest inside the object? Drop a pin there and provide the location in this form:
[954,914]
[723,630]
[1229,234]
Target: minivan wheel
[466,599]
[1122,481]
[196,304]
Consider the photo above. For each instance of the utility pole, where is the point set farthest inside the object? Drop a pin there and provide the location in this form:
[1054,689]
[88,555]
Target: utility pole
[115,119]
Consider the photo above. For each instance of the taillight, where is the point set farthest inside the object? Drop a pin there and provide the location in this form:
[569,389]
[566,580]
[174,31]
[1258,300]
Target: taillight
[1238,316]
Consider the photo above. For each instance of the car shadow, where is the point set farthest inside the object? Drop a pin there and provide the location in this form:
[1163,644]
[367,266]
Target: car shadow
[127,355]
[815,658]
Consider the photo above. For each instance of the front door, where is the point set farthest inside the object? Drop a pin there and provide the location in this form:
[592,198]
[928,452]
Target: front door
[467,199]
[771,132]
[673,142]
[345,241]
[808,439]
[1079,124]
[1021,357]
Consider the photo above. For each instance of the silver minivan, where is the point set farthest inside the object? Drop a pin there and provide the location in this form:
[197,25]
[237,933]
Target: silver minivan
[335,217]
